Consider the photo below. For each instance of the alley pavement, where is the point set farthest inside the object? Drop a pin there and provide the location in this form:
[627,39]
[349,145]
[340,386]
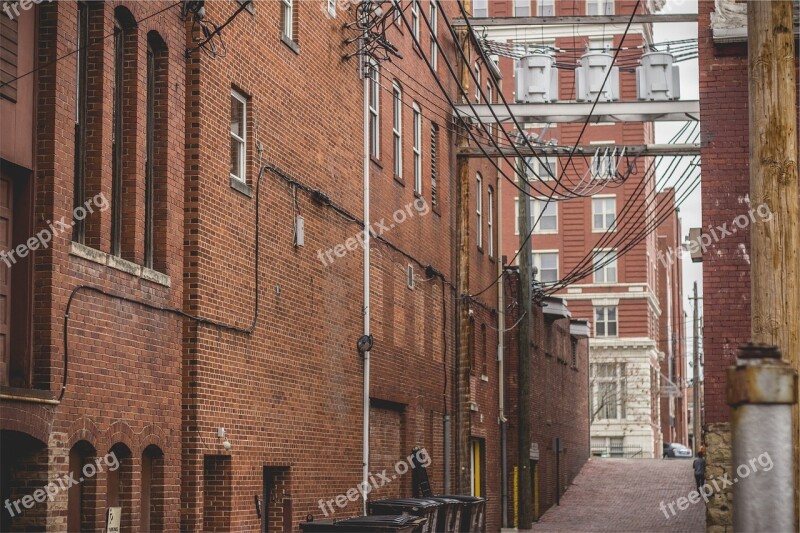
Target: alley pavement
[625,495]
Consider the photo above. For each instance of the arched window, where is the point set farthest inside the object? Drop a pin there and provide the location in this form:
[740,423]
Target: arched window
[156,147]
[81,497]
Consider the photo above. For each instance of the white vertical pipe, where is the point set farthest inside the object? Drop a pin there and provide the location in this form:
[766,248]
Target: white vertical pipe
[365,429]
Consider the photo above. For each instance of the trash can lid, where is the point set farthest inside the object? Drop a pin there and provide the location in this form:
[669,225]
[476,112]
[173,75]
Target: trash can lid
[379,520]
[463,498]
[421,503]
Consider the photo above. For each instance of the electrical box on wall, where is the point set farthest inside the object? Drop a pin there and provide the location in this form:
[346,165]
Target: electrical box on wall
[657,78]
[299,231]
[537,79]
[590,75]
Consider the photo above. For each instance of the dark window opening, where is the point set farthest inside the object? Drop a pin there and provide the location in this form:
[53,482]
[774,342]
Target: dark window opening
[119,484]
[79,184]
[152,502]
[81,497]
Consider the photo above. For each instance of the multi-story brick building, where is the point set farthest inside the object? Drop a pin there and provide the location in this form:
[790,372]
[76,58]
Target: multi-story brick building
[92,213]
[722,44]
[621,295]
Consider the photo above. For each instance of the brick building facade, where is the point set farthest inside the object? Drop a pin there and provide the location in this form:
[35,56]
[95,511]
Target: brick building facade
[85,372]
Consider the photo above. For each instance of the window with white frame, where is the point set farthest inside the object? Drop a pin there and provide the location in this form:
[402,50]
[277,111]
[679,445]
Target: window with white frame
[398,8]
[238,136]
[332,8]
[599,7]
[546,8]
[434,22]
[415,18]
[605,321]
[545,215]
[490,221]
[604,213]
[547,266]
[417,149]
[608,395]
[598,44]
[489,95]
[604,263]
[287,18]
[480,8]
[477,83]
[479,210]
[541,168]
[522,8]
[374,110]
[397,129]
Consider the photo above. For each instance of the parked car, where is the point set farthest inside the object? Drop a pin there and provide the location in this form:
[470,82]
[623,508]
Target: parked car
[676,450]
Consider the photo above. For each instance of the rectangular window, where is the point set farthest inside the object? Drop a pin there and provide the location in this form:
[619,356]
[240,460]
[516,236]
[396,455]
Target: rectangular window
[374,115]
[415,19]
[608,391]
[522,8]
[547,264]
[332,8]
[541,168]
[149,152]
[79,183]
[417,149]
[546,8]
[397,7]
[489,95]
[287,18]
[238,136]
[490,221]
[434,22]
[117,140]
[477,83]
[604,263]
[397,130]
[434,165]
[479,211]
[605,321]
[604,213]
[9,42]
[480,8]
[600,7]
[545,215]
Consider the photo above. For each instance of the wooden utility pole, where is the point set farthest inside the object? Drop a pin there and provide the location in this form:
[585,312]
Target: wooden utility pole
[696,397]
[463,359]
[775,267]
[524,368]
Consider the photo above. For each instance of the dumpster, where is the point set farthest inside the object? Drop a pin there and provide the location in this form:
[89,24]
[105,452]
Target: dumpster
[366,524]
[414,506]
[449,517]
[472,514]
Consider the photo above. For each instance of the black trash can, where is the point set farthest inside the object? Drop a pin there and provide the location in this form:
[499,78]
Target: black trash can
[366,524]
[472,514]
[414,506]
[449,519]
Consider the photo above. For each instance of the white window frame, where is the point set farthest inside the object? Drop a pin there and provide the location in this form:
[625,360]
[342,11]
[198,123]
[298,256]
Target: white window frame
[480,8]
[604,7]
[397,128]
[417,148]
[542,4]
[242,141]
[602,200]
[489,221]
[479,210]
[606,321]
[489,93]
[602,275]
[522,8]
[415,19]
[537,262]
[536,207]
[287,21]
[434,21]
[618,379]
[538,173]
[332,8]
[477,83]
[374,110]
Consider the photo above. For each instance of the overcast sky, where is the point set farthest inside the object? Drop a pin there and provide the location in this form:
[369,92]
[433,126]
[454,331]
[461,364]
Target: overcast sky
[691,208]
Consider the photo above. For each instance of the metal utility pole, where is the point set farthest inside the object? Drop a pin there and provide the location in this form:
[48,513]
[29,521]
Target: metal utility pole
[463,360]
[775,242]
[524,371]
[696,410]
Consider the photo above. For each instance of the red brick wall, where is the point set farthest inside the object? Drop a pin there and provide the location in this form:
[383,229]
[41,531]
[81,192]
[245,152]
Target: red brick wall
[559,403]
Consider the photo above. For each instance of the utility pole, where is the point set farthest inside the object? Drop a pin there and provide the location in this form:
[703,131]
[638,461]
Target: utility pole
[696,396]
[463,360]
[775,274]
[524,370]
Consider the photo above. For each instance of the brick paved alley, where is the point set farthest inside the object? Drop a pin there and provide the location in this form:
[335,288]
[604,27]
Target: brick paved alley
[623,495]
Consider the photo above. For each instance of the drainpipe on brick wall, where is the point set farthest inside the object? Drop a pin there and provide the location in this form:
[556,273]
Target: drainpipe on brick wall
[501,372]
[365,66]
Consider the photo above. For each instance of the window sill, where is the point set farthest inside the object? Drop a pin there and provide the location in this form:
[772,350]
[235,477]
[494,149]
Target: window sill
[399,180]
[77,249]
[417,194]
[292,45]
[375,161]
[484,377]
[19,394]
[242,187]
[251,8]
